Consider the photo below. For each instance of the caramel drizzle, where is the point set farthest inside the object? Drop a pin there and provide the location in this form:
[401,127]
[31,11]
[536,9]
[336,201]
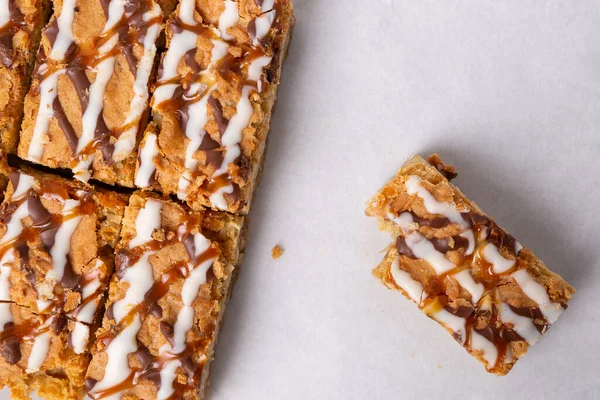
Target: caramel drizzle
[8,31]
[131,29]
[230,68]
[152,365]
[45,226]
[12,335]
[436,292]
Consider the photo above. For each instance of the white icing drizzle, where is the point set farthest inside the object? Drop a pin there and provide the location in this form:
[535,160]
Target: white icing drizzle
[228,18]
[499,264]
[197,118]
[40,348]
[25,183]
[181,43]
[117,367]
[465,279]
[450,321]
[147,220]
[62,243]
[185,316]
[140,278]
[80,337]
[13,230]
[116,9]
[522,325]
[518,247]
[263,24]
[186,12]
[403,279]
[267,5]
[4,13]
[488,349]
[65,30]
[420,246]
[84,314]
[146,167]
[536,292]
[468,234]
[423,249]
[97,89]
[232,136]
[126,141]
[48,91]
[448,210]
[6,264]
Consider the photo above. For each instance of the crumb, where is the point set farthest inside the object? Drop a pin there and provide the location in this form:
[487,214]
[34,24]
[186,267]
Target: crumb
[412,355]
[276,252]
[439,367]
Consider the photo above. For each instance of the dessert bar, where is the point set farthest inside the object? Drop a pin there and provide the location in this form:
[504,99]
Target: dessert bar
[462,269]
[174,271]
[45,353]
[56,240]
[213,100]
[21,23]
[88,101]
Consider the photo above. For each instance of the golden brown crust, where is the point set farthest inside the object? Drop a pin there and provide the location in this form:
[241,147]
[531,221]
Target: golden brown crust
[59,376]
[20,39]
[489,292]
[225,96]
[99,212]
[112,163]
[160,311]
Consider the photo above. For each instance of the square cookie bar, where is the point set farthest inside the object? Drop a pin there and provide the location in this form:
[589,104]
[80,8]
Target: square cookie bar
[213,101]
[463,270]
[174,272]
[21,23]
[56,241]
[88,101]
[38,352]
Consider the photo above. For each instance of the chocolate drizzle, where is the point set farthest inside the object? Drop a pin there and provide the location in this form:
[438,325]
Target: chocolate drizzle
[496,235]
[7,32]
[130,30]
[403,248]
[25,331]
[210,175]
[44,227]
[436,222]
[217,111]
[151,365]
[11,349]
[65,125]
[485,321]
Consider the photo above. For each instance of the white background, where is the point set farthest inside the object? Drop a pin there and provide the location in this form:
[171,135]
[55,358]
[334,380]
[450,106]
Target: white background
[509,93]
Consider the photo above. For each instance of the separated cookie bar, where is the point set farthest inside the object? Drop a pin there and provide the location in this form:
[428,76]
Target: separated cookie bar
[213,101]
[21,23]
[88,101]
[462,269]
[56,240]
[41,353]
[173,277]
